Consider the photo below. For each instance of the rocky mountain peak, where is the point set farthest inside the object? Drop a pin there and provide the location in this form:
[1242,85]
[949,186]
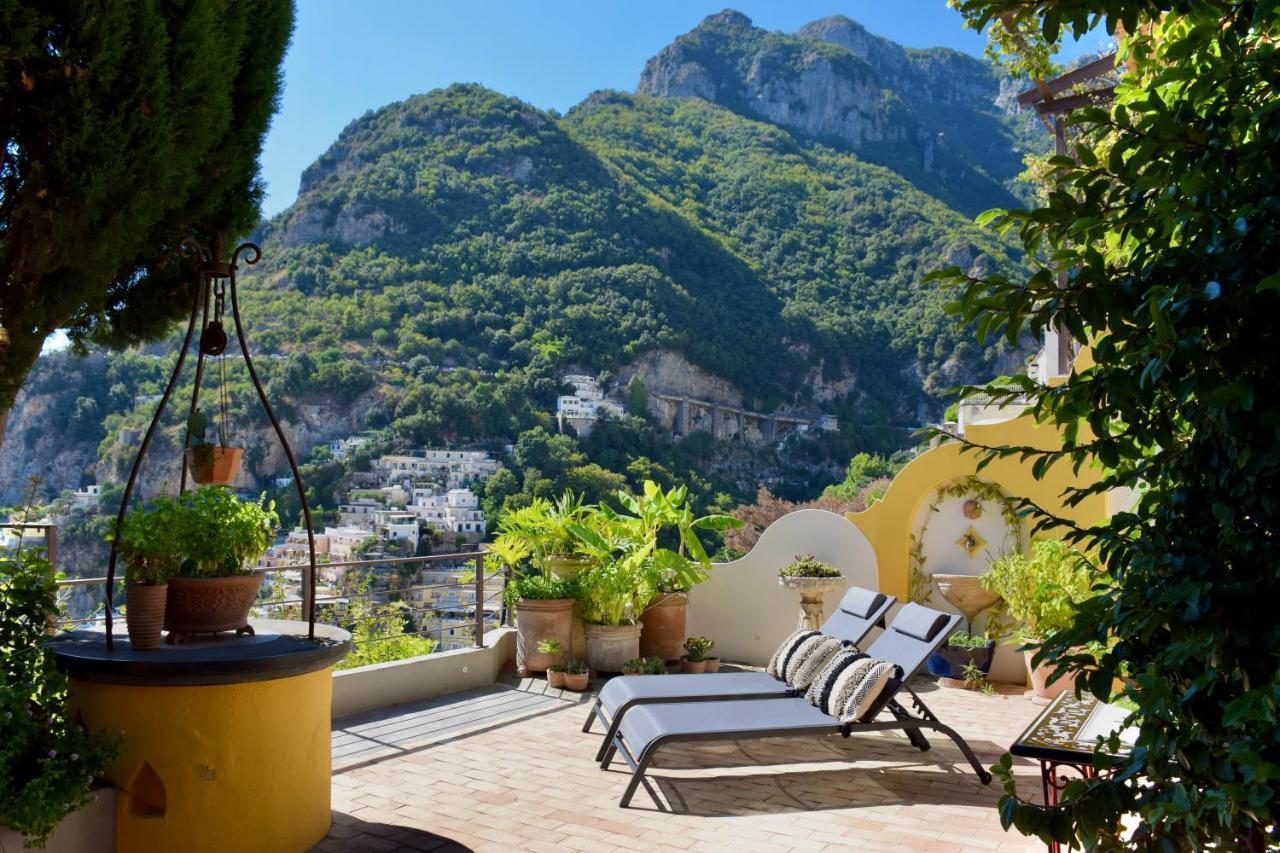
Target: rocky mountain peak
[934,115]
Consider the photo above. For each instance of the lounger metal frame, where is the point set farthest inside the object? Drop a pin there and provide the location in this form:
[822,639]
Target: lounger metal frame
[904,720]
[877,620]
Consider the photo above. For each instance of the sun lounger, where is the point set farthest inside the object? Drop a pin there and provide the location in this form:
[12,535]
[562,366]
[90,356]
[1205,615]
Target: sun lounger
[915,634]
[859,611]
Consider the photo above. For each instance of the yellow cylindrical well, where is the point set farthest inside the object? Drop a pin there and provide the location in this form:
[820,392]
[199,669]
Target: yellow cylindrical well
[217,767]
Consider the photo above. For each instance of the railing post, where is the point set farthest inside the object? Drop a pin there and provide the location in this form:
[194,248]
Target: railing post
[506,582]
[480,600]
[51,543]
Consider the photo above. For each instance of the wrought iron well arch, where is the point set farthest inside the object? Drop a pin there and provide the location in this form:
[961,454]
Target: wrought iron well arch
[216,280]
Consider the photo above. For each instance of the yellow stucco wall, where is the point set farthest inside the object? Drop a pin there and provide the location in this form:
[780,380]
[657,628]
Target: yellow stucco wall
[888,523]
[241,767]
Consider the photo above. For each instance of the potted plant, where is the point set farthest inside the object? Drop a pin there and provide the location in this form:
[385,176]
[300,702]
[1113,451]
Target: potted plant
[695,659]
[48,760]
[712,662]
[635,666]
[649,550]
[543,606]
[813,579]
[553,648]
[962,651]
[221,538]
[1040,593]
[148,544]
[211,464]
[655,666]
[576,675]
[543,532]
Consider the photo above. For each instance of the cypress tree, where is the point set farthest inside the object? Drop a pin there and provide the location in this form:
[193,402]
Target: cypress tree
[127,126]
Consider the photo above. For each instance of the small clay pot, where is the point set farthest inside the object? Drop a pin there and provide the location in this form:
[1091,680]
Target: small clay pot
[555,678]
[712,665]
[692,666]
[144,614]
[576,680]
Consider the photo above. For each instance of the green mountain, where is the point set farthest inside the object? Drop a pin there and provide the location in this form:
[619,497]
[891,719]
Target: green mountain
[451,256]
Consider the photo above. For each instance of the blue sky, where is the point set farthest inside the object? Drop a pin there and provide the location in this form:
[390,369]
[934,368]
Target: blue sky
[347,58]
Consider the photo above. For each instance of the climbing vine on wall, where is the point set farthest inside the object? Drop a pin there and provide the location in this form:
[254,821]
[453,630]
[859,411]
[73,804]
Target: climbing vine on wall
[968,486]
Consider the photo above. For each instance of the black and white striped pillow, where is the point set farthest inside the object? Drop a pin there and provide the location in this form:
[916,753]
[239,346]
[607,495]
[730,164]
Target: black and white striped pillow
[778,663]
[809,660]
[867,691]
[819,693]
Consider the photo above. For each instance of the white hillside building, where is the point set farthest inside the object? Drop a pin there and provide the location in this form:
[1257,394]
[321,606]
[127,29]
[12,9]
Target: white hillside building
[583,407]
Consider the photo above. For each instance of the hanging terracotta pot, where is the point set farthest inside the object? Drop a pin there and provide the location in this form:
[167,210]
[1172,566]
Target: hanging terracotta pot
[662,627]
[144,614]
[214,466]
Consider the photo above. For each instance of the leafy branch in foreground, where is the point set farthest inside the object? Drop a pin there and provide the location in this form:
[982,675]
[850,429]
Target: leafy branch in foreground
[1164,220]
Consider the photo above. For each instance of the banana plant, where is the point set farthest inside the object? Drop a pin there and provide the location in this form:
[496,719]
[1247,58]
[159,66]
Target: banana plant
[648,548]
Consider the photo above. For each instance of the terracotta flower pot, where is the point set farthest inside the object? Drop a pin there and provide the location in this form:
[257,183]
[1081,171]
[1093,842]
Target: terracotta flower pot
[712,665]
[217,466]
[576,680]
[662,627]
[538,620]
[210,605]
[144,614]
[555,678]
[692,666]
[1040,684]
[609,647]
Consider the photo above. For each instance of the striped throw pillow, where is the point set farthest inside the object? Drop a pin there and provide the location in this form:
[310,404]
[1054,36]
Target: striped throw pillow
[867,691]
[819,693]
[805,665]
[777,663]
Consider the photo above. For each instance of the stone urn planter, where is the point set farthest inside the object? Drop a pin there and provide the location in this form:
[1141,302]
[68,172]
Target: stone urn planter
[610,646]
[811,592]
[540,619]
[210,605]
[662,627]
[217,466]
[567,567]
[144,614]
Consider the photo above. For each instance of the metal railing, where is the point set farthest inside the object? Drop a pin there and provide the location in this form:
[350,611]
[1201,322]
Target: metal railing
[482,589]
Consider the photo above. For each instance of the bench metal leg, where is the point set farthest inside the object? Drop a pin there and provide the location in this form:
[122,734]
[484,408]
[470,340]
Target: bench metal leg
[595,709]
[637,777]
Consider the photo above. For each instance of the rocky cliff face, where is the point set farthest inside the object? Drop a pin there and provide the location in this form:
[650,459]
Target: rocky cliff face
[937,116]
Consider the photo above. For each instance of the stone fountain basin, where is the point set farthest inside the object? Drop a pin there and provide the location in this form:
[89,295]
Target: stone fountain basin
[966,593]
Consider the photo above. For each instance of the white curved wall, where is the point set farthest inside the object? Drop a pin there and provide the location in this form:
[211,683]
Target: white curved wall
[744,610]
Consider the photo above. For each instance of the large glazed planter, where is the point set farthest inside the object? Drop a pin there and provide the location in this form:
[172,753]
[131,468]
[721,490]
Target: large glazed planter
[950,661]
[214,466]
[811,592]
[538,620]
[610,646]
[144,614]
[662,627]
[210,605]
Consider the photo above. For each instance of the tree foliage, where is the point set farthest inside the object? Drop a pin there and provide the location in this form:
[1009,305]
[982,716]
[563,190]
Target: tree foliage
[126,127]
[1165,221]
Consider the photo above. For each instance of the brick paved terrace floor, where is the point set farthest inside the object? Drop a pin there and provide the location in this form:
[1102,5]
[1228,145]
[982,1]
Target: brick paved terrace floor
[507,768]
